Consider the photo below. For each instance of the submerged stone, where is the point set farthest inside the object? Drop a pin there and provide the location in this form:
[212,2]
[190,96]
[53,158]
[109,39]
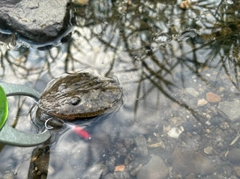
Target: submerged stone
[212,97]
[234,156]
[230,109]
[36,21]
[141,144]
[186,161]
[155,169]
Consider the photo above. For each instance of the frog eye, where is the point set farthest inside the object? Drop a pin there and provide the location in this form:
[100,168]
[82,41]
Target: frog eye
[75,100]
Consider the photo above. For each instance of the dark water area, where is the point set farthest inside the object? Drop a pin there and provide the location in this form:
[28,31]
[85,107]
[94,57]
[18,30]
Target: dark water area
[178,65]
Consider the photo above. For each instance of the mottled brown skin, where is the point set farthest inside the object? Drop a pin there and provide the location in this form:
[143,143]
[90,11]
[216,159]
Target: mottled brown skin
[80,95]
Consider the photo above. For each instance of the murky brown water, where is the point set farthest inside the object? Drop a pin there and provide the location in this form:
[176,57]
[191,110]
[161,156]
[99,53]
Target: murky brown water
[178,68]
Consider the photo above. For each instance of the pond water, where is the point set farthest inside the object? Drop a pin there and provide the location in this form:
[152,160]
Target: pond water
[179,71]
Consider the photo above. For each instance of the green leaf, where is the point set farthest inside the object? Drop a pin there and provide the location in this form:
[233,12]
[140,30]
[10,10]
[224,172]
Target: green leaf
[3,107]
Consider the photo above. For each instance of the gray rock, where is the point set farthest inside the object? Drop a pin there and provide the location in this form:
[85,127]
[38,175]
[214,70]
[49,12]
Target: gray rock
[155,169]
[54,168]
[109,176]
[122,175]
[141,144]
[66,171]
[96,171]
[234,156]
[186,161]
[110,163]
[35,20]
[230,109]
[192,92]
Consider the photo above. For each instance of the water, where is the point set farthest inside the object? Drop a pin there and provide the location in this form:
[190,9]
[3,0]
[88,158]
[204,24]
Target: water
[167,61]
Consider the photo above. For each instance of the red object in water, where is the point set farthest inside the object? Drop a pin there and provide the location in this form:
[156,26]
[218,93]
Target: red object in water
[80,131]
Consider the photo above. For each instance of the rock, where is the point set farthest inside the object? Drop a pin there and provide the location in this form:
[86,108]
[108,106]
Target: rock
[119,168]
[192,92]
[216,120]
[186,161]
[122,175]
[109,176]
[191,176]
[229,110]
[155,169]
[175,121]
[95,171]
[234,156]
[201,102]
[224,125]
[110,163]
[135,170]
[188,140]
[158,144]
[100,143]
[141,144]
[52,166]
[228,170]
[208,150]
[212,97]
[237,170]
[175,132]
[65,171]
[37,21]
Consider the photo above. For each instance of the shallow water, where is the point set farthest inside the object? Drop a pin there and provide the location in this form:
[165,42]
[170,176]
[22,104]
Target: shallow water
[167,60]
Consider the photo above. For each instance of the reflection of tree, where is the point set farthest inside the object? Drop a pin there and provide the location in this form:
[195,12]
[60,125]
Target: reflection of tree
[26,62]
[222,42]
[159,38]
[143,32]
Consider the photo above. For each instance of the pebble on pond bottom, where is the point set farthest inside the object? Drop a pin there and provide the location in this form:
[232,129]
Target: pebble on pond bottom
[119,168]
[175,132]
[212,97]
[155,169]
[201,102]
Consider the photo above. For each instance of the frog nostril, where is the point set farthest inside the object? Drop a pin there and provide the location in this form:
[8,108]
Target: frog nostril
[75,100]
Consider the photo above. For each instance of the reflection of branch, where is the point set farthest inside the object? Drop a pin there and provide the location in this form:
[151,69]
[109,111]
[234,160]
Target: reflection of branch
[228,72]
[2,64]
[16,67]
[197,115]
[222,54]
[157,75]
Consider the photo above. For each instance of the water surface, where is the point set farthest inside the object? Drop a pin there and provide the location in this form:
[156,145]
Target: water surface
[179,69]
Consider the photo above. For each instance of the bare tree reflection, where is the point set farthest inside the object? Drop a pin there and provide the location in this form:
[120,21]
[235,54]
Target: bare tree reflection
[139,28]
[154,35]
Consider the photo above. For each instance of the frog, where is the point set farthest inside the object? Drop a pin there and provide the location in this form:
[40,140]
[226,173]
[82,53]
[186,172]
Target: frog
[80,95]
